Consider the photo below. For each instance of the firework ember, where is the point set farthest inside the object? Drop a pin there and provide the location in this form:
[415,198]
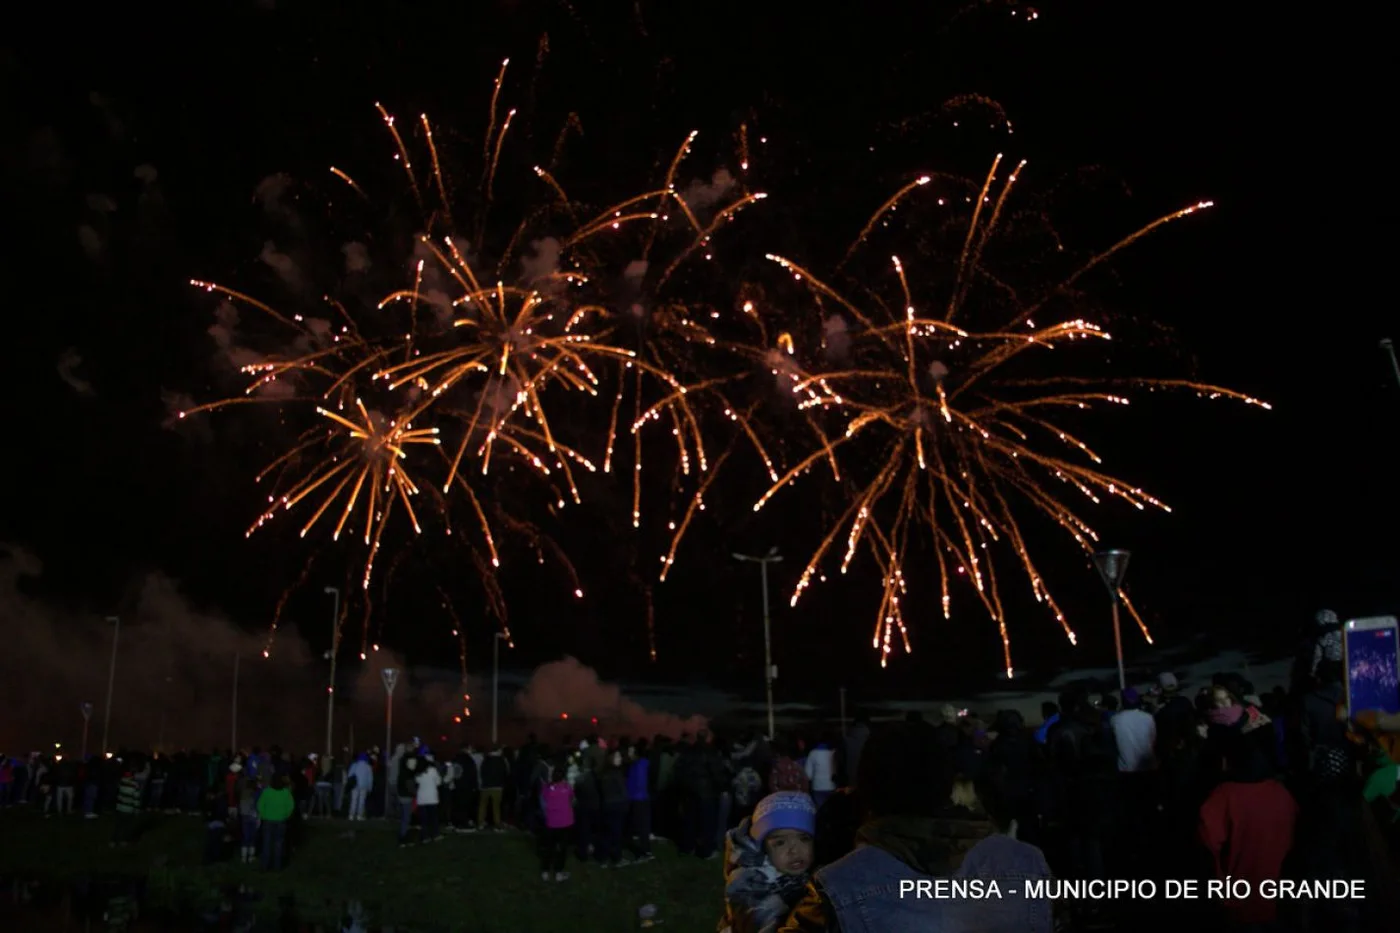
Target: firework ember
[950,440]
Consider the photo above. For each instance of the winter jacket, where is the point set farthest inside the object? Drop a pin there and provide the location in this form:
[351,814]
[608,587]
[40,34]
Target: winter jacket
[469,776]
[65,773]
[637,774]
[853,894]
[854,745]
[820,768]
[128,795]
[588,794]
[786,775]
[275,805]
[428,783]
[757,897]
[666,770]
[1248,829]
[495,772]
[363,775]
[407,785]
[558,803]
[612,786]
[701,773]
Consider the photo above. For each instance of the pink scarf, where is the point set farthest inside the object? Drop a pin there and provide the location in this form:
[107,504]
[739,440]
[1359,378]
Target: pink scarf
[1225,716]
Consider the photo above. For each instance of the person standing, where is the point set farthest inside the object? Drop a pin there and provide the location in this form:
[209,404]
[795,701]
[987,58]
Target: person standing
[407,790]
[361,779]
[275,806]
[128,809]
[494,775]
[429,780]
[639,803]
[557,800]
[612,792]
[820,771]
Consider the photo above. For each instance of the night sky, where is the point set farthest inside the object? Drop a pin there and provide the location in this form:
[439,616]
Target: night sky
[132,152]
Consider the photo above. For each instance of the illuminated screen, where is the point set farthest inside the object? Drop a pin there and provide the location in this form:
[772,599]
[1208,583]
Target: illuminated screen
[1373,672]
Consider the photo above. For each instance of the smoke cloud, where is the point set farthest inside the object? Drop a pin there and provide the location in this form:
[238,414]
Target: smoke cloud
[836,336]
[566,691]
[356,258]
[68,363]
[701,196]
[175,682]
[544,262]
[282,264]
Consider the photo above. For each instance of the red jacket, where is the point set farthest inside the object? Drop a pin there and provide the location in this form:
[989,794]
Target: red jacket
[1248,828]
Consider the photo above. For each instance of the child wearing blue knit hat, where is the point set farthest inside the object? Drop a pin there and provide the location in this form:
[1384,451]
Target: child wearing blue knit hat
[768,862]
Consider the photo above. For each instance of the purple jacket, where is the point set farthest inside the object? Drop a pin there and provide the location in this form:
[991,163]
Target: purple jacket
[637,780]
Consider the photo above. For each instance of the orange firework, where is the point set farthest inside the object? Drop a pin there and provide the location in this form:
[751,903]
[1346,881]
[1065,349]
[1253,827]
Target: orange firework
[950,443]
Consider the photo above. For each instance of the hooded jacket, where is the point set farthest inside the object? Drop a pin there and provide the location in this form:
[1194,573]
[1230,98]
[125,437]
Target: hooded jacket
[363,774]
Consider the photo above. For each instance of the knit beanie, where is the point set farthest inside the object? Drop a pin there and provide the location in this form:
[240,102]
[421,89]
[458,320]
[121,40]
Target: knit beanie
[787,809]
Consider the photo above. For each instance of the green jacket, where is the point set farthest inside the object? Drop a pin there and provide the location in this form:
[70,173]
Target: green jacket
[276,806]
[128,796]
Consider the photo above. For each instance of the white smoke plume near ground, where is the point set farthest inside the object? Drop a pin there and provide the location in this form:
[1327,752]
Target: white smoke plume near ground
[174,683]
[567,688]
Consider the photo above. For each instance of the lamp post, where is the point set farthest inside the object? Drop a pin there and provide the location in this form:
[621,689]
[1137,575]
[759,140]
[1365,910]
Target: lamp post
[770,672]
[1389,347]
[1113,566]
[496,680]
[111,679]
[390,676]
[335,645]
[86,709]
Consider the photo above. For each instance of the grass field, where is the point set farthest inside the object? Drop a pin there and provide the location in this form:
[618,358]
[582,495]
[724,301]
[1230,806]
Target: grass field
[477,883]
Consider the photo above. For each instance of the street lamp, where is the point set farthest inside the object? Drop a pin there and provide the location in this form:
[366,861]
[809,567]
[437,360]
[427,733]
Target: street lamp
[390,676]
[1389,347]
[111,679]
[770,672]
[496,678]
[335,645]
[1113,566]
[86,710]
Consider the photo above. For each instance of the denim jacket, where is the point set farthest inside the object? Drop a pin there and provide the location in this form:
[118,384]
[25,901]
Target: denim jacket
[872,890]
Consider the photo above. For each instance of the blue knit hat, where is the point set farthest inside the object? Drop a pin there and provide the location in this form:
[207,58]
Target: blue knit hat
[787,809]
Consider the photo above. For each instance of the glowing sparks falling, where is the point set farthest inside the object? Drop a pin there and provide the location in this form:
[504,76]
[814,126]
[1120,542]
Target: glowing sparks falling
[923,417]
[949,438]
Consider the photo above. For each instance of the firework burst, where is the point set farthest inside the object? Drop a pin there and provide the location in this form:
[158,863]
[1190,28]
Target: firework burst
[950,442]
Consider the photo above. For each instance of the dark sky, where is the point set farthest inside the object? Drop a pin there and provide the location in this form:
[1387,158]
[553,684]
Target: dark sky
[133,150]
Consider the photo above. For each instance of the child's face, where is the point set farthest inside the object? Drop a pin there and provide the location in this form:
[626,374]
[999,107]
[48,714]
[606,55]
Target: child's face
[790,850]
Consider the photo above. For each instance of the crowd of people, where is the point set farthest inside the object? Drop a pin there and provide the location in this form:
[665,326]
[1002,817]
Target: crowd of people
[1166,781]
[1286,792]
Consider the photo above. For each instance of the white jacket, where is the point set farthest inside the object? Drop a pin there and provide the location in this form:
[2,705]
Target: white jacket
[820,766]
[428,783]
[363,775]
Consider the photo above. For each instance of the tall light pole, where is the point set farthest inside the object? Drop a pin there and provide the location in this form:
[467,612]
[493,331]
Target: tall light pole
[1389,347]
[335,646]
[496,680]
[390,676]
[770,672]
[1113,566]
[111,679]
[86,710]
